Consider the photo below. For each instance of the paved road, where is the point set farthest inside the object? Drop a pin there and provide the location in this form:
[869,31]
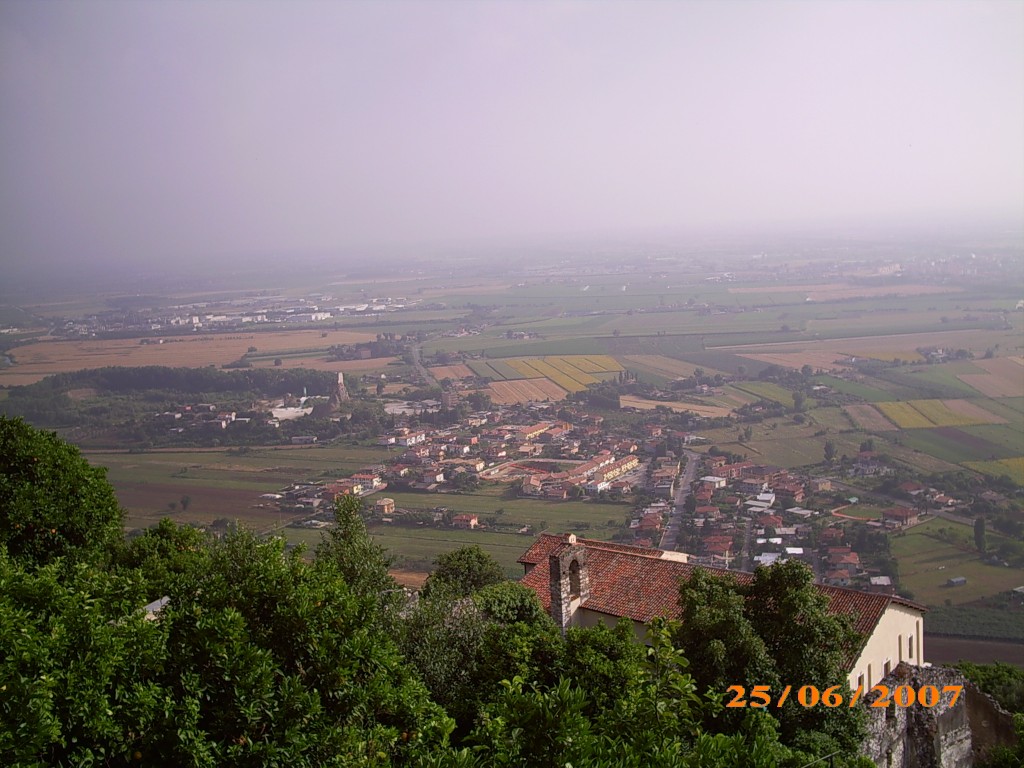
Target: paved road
[669,539]
[426,375]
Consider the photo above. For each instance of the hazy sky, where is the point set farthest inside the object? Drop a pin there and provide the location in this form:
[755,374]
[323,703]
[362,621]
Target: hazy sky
[145,130]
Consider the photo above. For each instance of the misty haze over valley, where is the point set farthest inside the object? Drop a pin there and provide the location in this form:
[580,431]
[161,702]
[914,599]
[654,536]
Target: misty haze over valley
[362,364]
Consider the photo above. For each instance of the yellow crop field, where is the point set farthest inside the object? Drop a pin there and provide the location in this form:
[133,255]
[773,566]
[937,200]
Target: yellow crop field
[562,379]
[904,415]
[587,363]
[886,355]
[1013,467]
[524,390]
[918,414]
[565,372]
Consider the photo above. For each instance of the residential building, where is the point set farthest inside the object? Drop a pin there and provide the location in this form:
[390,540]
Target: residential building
[582,582]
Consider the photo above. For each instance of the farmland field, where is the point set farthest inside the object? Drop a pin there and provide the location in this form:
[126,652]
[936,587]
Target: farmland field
[826,361]
[663,366]
[1002,377]
[835,291]
[926,562]
[921,414]
[1013,467]
[869,419]
[958,445]
[710,411]
[524,390]
[769,391]
[453,372]
[856,388]
[40,359]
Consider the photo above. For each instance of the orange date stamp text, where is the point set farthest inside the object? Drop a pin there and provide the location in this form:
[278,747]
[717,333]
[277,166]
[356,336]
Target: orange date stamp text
[838,696]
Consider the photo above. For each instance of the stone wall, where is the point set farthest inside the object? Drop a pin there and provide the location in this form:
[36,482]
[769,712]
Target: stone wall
[942,736]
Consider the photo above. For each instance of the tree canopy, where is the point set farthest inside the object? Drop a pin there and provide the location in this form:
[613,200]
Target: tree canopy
[259,655]
[53,504]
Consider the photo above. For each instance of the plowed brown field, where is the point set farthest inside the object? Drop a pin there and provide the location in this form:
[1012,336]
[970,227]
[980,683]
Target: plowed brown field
[36,361]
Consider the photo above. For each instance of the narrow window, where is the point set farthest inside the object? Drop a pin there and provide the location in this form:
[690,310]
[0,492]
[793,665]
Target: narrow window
[910,647]
[899,647]
[574,579]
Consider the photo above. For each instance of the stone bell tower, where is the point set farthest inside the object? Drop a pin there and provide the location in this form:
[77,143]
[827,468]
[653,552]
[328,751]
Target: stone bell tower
[570,584]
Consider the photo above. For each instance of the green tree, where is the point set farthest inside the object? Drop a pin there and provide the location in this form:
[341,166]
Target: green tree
[161,554]
[775,630]
[53,504]
[808,645]
[799,401]
[464,571]
[719,639]
[830,451]
[362,564]
[979,534]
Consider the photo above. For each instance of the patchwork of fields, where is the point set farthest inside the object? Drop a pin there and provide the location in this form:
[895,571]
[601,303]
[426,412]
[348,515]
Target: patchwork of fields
[922,414]
[523,379]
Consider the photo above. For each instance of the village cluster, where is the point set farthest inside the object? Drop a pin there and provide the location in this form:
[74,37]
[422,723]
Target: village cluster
[722,510]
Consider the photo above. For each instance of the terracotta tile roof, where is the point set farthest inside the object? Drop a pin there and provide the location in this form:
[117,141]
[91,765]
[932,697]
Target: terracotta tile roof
[640,584]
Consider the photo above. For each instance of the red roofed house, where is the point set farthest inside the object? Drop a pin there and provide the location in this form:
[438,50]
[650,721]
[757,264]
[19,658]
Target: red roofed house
[900,516]
[581,582]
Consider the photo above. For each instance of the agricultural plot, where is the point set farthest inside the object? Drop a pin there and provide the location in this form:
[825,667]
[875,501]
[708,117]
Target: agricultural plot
[837,291]
[957,445]
[927,562]
[825,361]
[568,377]
[484,370]
[661,365]
[936,381]
[793,452]
[709,411]
[766,390]
[855,388]
[454,372]
[1013,467]
[40,359]
[922,414]
[1002,377]
[835,419]
[524,391]
[904,415]
[593,363]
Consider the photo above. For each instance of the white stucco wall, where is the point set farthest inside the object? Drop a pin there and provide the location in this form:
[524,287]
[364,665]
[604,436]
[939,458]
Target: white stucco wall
[898,629]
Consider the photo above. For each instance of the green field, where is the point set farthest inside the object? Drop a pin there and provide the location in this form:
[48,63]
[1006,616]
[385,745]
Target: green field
[228,485]
[862,512]
[415,548]
[959,445]
[1013,468]
[926,562]
[769,391]
[936,381]
[856,388]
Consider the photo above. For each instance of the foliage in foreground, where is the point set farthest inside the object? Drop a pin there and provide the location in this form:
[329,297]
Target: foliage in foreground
[263,657]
